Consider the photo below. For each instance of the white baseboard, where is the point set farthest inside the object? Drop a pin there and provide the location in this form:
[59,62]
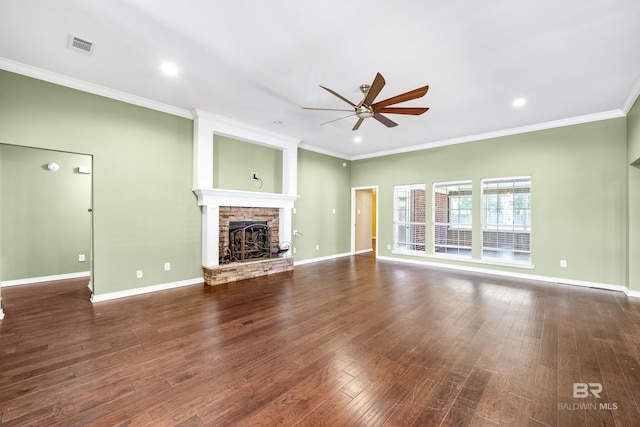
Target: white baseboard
[518,275]
[45,278]
[145,290]
[630,293]
[324,258]
[363,251]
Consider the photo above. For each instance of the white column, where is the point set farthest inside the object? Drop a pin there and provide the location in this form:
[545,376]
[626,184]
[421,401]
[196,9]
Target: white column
[285,225]
[290,170]
[202,150]
[210,235]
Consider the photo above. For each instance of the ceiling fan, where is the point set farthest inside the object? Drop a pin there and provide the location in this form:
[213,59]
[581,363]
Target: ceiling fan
[367,108]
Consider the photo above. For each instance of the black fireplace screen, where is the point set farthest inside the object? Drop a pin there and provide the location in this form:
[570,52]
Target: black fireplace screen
[249,240]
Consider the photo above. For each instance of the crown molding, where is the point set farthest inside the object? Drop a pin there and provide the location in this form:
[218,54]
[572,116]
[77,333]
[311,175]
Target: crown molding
[70,82]
[606,115]
[319,150]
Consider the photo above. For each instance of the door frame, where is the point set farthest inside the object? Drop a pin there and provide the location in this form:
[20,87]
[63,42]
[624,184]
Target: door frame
[353,216]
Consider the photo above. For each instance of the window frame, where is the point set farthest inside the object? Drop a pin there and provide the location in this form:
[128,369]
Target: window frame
[442,249]
[419,248]
[514,230]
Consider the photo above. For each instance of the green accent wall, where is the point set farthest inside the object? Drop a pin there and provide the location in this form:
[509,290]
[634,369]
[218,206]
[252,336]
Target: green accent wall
[45,219]
[579,193]
[633,158]
[323,185]
[145,213]
[235,160]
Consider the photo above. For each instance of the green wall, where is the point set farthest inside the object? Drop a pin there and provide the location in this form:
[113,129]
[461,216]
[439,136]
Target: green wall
[579,193]
[323,185]
[585,194]
[45,217]
[145,213]
[235,160]
[633,133]
[633,158]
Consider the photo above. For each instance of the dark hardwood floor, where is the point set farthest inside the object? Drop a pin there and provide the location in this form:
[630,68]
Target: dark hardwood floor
[344,342]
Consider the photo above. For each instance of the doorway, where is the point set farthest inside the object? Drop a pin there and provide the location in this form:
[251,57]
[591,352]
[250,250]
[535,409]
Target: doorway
[364,220]
[46,219]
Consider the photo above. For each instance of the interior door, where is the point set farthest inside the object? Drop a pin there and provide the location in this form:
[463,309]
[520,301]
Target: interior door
[364,221]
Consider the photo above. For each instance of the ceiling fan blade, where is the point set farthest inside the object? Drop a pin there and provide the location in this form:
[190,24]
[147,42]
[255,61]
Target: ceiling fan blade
[384,120]
[338,95]
[358,123]
[374,90]
[339,118]
[408,96]
[400,110]
[325,109]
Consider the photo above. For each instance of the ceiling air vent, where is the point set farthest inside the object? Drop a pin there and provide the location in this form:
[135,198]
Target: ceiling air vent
[80,45]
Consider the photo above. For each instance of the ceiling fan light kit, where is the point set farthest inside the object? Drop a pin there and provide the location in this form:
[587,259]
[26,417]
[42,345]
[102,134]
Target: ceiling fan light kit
[367,108]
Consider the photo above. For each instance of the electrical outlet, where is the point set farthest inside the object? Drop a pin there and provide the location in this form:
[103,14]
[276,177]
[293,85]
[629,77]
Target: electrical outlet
[388,247]
[81,258]
[317,247]
[563,263]
[167,266]
[334,211]
[294,250]
[139,274]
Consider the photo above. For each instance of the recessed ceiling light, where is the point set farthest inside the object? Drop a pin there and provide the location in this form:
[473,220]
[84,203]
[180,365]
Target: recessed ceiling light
[169,69]
[277,122]
[519,102]
[357,139]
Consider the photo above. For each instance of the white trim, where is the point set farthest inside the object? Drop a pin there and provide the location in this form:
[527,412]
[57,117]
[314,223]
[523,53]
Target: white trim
[362,251]
[613,114]
[631,99]
[558,280]
[221,197]
[630,293]
[324,258]
[306,146]
[1,314]
[145,290]
[62,80]
[46,278]
[453,257]
[353,217]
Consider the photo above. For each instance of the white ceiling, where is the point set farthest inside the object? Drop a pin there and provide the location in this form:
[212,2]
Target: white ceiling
[261,61]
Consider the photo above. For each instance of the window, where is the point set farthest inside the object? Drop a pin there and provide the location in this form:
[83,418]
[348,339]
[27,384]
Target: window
[506,219]
[409,208]
[452,218]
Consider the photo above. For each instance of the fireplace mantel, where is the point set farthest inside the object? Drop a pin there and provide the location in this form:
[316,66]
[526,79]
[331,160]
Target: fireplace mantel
[220,197]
